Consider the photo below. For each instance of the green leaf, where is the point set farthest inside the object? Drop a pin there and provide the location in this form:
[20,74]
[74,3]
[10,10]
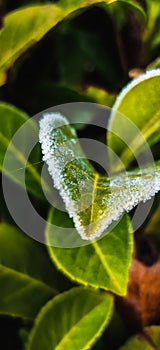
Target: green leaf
[133,5]
[28,25]
[72,320]
[92,200]
[140,103]
[151,34]
[26,275]
[16,158]
[102,264]
[154,223]
[154,64]
[49,94]
[152,227]
[11,119]
[153,333]
[138,344]
[100,96]
[23,335]
[148,340]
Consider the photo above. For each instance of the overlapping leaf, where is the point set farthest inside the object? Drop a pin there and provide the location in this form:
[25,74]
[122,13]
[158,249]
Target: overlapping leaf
[135,117]
[102,264]
[25,285]
[92,200]
[24,27]
[16,161]
[72,320]
[149,340]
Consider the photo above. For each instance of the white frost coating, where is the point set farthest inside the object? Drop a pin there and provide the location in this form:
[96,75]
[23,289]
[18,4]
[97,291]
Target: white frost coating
[127,193]
[125,190]
[49,122]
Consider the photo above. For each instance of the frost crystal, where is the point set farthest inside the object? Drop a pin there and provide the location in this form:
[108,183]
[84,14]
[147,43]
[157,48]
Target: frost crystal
[92,200]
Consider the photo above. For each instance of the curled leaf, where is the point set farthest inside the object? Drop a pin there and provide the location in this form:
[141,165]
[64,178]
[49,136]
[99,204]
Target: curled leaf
[92,200]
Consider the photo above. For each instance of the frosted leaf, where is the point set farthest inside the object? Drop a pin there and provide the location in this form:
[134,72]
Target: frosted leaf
[92,200]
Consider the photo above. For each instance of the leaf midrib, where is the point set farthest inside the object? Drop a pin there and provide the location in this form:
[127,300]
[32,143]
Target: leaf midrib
[73,328]
[106,266]
[93,201]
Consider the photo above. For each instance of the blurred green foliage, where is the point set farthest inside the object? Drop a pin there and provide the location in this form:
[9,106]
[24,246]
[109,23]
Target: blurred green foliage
[97,46]
[52,53]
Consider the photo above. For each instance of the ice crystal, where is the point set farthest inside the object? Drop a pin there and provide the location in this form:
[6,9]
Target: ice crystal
[92,200]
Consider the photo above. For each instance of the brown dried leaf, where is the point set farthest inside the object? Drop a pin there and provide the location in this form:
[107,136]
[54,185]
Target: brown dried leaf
[141,306]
